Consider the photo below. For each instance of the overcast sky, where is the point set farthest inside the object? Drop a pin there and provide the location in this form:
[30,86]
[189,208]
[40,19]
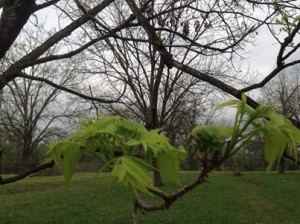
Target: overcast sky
[261,58]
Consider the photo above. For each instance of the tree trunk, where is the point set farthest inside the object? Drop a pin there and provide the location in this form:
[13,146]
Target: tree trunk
[23,162]
[15,15]
[22,165]
[157,180]
[1,168]
[281,169]
[135,215]
[152,121]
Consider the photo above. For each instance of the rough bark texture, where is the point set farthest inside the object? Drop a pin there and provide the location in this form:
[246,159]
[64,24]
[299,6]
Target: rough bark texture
[14,16]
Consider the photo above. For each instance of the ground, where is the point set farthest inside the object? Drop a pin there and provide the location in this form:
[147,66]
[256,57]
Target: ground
[259,198]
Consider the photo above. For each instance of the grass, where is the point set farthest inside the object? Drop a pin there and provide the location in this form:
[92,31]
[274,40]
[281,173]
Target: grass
[259,198]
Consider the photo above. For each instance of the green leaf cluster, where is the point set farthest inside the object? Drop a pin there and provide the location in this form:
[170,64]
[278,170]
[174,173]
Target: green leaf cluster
[210,138]
[138,148]
[133,174]
[279,132]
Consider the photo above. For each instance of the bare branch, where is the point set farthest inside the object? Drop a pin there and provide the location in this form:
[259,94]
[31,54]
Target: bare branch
[45,5]
[169,199]
[26,174]
[206,77]
[65,89]
[167,57]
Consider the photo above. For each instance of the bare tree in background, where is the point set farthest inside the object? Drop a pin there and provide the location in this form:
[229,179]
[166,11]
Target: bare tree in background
[32,112]
[151,94]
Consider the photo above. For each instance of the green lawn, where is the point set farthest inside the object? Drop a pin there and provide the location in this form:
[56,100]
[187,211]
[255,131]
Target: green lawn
[258,198]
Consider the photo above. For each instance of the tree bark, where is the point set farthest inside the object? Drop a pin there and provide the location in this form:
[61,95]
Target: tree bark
[23,164]
[1,168]
[150,125]
[14,16]
[6,24]
[26,174]
[135,214]
[157,180]
[281,169]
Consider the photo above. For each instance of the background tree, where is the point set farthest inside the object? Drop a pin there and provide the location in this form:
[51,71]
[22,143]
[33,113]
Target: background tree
[155,96]
[32,113]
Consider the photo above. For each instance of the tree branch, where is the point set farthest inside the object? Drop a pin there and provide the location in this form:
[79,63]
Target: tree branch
[168,200]
[157,43]
[206,77]
[285,155]
[65,89]
[280,60]
[45,5]
[11,72]
[26,174]
[14,16]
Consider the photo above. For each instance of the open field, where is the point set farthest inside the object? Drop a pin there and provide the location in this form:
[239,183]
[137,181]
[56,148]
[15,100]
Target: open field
[259,198]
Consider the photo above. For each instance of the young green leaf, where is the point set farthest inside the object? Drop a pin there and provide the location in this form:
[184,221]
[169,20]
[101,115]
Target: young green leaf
[168,164]
[66,155]
[133,174]
[275,144]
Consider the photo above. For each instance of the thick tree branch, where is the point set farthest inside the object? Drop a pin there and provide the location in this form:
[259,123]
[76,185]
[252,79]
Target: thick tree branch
[206,77]
[111,33]
[265,80]
[285,155]
[275,72]
[14,16]
[65,89]
[26,174]
[287,41]
[11,73]
[214,82]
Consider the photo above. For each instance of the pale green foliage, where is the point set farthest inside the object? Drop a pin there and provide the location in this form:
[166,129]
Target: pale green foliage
[278,132]
[133,174]
[140,147]
[210,138]
[66,154]
[106,135]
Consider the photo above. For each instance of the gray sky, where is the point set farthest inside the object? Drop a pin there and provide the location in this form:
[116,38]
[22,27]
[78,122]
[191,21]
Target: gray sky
[260,58]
